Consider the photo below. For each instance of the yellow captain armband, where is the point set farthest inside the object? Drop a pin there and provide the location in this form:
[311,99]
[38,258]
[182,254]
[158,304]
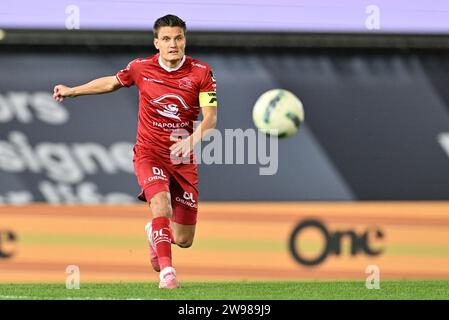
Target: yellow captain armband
[208,99]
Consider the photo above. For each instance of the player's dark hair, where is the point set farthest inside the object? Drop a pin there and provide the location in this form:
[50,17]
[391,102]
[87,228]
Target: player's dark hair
[168,21]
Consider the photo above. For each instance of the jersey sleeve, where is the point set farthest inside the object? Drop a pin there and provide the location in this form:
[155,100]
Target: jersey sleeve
[126,76]
[208,90]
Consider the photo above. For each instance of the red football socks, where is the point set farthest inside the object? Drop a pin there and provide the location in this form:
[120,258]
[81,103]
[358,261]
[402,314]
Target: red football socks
[162,239]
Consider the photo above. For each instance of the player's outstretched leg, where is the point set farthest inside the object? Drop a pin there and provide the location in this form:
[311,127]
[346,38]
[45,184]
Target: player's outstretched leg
[161,237]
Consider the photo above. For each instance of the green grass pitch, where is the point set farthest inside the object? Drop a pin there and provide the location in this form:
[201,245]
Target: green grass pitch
[287,290]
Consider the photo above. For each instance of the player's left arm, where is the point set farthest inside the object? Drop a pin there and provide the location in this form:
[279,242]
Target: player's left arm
[183,147]
[208,103]
[208,123]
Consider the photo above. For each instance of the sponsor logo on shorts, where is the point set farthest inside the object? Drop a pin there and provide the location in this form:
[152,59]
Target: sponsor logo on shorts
[188,196]
[188,200]
[158,174]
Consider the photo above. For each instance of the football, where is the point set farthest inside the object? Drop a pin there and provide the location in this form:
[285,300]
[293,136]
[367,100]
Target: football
[278,112]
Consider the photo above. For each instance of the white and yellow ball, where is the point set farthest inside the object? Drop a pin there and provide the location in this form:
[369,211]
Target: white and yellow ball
[278,112]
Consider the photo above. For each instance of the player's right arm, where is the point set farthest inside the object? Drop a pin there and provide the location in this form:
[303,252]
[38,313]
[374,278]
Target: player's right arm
[97,86]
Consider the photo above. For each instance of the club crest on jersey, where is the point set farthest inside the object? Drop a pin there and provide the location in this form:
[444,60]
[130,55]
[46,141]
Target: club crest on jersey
[170,104]
[185,83]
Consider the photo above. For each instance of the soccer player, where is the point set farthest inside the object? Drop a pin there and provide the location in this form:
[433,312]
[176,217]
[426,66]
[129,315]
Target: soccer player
[173,88]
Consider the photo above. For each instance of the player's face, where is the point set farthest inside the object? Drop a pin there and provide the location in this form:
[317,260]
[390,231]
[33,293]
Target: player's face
[171,43]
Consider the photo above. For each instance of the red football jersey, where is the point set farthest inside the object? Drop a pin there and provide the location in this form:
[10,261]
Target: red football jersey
[169,98]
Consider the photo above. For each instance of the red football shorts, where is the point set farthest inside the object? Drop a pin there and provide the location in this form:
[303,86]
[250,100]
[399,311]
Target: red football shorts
[156,174]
